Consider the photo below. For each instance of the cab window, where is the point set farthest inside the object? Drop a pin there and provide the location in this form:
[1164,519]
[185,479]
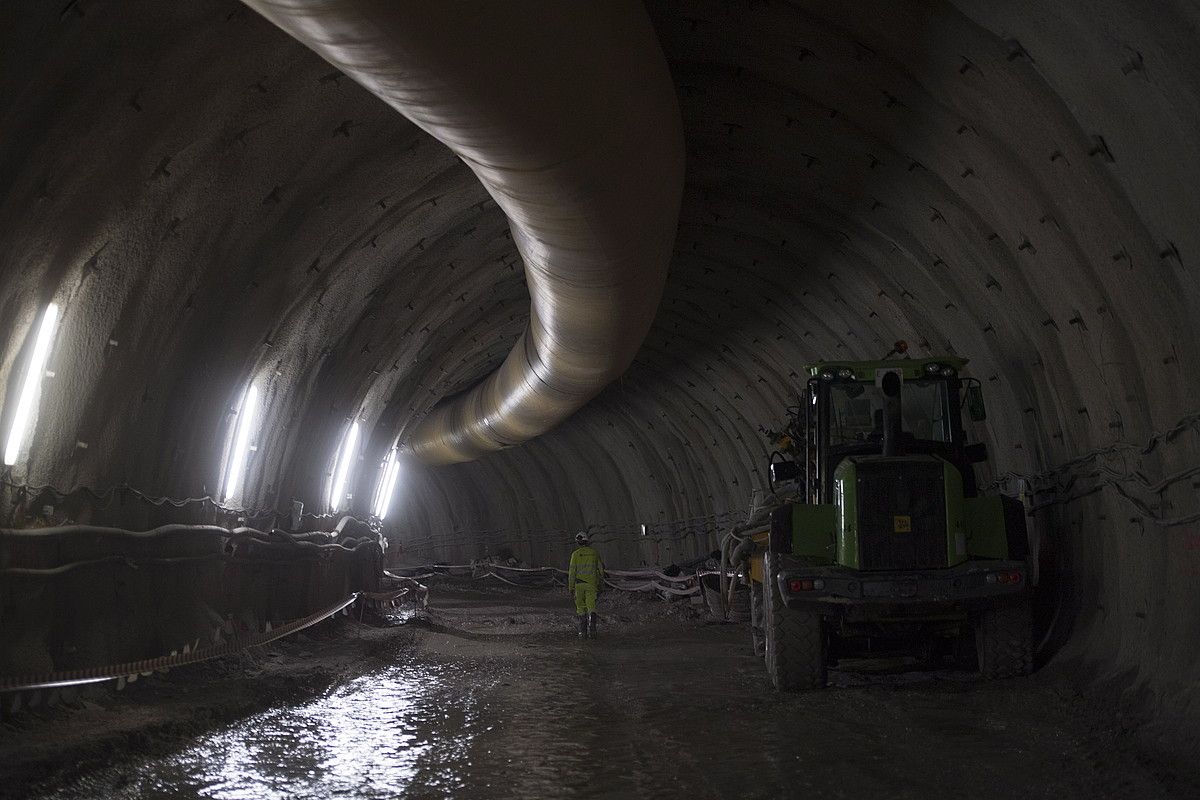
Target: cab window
[856,412]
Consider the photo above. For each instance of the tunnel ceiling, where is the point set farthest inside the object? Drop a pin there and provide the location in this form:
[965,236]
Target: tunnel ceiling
[212,204]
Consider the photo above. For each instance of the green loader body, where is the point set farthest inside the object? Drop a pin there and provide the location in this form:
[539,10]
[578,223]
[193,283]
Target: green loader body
[888,540]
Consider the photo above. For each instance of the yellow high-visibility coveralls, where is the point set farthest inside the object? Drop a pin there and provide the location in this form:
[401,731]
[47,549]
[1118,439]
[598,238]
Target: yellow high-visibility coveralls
[583,578]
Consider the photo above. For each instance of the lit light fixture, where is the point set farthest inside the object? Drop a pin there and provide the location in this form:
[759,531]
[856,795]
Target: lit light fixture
[239,453]
[341,470]
[29,389]
[387,483]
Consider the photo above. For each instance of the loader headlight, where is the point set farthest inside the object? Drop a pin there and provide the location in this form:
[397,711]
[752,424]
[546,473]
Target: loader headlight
[845,373]
[827,375]
[933,369]
[948,372]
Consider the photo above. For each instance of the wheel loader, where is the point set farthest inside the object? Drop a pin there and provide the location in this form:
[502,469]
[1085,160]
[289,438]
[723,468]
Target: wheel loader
[887,545]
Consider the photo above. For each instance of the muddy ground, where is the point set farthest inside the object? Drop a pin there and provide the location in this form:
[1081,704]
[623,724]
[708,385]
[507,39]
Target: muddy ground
[493,696]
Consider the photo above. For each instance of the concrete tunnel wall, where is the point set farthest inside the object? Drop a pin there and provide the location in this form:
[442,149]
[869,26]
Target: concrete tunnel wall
[1012,182]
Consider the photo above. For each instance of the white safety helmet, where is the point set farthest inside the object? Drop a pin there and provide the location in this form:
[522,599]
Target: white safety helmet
[581,537]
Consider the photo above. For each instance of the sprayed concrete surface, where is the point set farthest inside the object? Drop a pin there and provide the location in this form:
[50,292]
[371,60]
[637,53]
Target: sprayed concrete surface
[212,205]
[493,696]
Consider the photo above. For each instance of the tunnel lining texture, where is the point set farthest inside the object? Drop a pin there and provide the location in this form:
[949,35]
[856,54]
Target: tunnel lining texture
[1008,182]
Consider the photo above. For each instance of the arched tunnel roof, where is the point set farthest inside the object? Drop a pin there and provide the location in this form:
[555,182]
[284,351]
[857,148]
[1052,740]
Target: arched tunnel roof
[212,204]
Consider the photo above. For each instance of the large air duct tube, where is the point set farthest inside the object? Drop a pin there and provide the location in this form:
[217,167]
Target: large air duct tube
[567,114]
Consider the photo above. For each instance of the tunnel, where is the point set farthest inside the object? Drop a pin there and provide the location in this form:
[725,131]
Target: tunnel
[290,329]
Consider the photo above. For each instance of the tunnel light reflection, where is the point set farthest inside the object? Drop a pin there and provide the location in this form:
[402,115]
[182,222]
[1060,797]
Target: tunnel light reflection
[240,453]
[29,389]
[341,470]
[409,730]
[387,483]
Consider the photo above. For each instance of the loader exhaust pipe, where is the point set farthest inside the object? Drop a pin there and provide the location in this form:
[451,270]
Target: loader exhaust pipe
[891,385]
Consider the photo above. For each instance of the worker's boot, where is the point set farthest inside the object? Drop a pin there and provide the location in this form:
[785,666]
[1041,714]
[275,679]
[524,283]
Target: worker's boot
[583,626]
[593,618]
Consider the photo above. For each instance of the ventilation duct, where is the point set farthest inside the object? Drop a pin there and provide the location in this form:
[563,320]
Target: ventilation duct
[567,114]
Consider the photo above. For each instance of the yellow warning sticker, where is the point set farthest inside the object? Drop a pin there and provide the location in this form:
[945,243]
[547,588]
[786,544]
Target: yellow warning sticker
[902,523]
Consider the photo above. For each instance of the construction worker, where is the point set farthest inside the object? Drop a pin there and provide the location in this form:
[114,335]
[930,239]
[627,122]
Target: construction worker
[584,578]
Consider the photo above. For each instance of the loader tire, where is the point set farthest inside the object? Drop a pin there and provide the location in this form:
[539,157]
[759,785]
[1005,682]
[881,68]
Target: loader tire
[795,640]
[758,639]
[1004,641]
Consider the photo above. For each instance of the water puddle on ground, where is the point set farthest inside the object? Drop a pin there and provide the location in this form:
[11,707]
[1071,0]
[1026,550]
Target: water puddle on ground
[381,735]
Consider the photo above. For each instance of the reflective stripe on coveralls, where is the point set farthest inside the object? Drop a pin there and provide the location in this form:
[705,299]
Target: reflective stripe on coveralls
[583,578]
[586,567]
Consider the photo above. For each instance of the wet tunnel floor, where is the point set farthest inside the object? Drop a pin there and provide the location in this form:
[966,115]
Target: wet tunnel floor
[508,704]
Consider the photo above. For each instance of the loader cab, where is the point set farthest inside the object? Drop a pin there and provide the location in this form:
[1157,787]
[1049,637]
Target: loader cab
[885,408]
